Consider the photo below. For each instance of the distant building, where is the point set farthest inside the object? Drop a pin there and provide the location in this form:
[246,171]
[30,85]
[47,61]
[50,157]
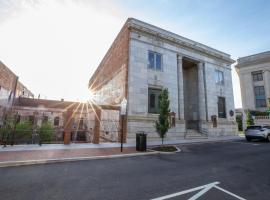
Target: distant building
[54,112]
[254,75]
[144,59]
[10,88]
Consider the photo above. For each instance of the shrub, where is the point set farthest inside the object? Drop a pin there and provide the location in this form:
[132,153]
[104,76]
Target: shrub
[45,132]
[23,132]
[250,120]
[239,121]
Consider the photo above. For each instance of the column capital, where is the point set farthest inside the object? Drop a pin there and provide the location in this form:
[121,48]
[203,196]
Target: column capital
[179,57]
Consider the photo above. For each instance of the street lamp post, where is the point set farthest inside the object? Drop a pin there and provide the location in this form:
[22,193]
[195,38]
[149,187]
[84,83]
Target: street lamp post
[123,112]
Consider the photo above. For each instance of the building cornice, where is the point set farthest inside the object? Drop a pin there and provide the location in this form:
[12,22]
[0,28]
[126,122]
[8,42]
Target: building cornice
[255,59]
[177,39]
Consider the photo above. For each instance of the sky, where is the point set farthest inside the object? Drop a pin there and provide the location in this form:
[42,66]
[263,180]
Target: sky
[54,46]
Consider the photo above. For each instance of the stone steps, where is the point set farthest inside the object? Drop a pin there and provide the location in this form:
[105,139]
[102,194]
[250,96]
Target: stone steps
[194,134]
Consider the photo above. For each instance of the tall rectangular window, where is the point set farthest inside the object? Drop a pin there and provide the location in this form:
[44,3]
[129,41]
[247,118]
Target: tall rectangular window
[221,107]
[219,77]
[153,95]
[260,99]
[154,60]
[257,76]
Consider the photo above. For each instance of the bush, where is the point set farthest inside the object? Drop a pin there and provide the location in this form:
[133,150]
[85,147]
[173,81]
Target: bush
[239,121]
[23,133]
[5,134]
[250,120]
[45,132]
[258,113]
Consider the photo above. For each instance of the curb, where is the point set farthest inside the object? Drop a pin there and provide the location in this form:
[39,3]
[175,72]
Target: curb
[61,160]
[202,142]
[164,152]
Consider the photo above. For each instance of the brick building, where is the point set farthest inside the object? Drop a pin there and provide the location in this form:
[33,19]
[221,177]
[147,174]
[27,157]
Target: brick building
[143,59]
[10,88]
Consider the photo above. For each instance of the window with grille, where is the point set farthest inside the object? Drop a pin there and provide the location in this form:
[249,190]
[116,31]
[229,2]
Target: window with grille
[153,95]
[257,76]
[221,107]
[260,99]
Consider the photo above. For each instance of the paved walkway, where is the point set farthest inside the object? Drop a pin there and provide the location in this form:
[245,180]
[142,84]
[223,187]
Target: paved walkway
[59,151]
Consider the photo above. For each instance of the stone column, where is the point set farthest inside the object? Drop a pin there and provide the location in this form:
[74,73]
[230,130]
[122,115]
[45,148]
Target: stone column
[180,80]
[201,93]
[266,79]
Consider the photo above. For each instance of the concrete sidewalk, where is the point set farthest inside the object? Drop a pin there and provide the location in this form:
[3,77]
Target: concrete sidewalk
[48,153]
[31,147]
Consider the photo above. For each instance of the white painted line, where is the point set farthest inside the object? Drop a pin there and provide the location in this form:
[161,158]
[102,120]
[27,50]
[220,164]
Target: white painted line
[206,189]
[230,193]
[186,191]
[203,188]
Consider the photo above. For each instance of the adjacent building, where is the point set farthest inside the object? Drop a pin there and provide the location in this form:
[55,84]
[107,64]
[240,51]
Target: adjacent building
[144,59]
[254,75]
[10,88]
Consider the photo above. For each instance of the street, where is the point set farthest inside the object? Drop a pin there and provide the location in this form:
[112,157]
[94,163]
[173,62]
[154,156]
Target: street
[239,167]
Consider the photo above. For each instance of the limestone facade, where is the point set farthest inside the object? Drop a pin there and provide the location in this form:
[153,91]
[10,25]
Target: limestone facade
[254,76]
[187,68]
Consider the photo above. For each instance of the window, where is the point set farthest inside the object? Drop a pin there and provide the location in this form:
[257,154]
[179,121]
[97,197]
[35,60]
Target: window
[221,107]
[257,76]
[81,124]
[31,119]
[56,121]
[259,96]
[219,77]
[154,60]
[45,119]
[153,95]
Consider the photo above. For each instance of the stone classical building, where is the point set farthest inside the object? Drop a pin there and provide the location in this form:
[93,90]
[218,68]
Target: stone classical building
[143,59]
[254,75]
[10,88]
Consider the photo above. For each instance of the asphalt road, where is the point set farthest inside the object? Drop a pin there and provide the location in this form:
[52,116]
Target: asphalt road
[240,168]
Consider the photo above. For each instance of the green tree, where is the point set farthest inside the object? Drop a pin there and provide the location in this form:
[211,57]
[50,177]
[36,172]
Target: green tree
[163,125]
[250,120]
[45,131]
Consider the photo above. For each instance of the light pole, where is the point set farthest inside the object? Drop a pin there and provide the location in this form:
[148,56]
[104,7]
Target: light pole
[123,112]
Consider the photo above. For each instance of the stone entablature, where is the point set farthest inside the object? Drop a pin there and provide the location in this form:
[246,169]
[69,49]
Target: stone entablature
[172,38]
[253,59]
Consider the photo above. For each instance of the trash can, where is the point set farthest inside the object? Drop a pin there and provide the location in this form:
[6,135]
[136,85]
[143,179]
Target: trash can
[141,141]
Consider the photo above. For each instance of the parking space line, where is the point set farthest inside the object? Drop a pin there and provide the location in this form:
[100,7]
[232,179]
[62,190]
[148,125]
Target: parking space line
[230,193]
[186,191]
[203,188]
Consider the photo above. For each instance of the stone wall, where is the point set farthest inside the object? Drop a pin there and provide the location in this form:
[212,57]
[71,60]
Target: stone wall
[141,78]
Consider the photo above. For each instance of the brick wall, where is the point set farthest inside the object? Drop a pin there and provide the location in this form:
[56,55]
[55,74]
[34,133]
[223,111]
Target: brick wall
[115,59]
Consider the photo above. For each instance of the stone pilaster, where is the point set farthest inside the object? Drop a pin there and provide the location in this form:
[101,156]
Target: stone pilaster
[180,87]
[266,79]
[201,92]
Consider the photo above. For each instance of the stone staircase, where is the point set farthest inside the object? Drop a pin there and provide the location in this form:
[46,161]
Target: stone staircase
[194,134]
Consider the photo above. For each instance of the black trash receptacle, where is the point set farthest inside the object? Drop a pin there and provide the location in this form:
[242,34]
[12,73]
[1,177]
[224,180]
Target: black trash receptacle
[141,141]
